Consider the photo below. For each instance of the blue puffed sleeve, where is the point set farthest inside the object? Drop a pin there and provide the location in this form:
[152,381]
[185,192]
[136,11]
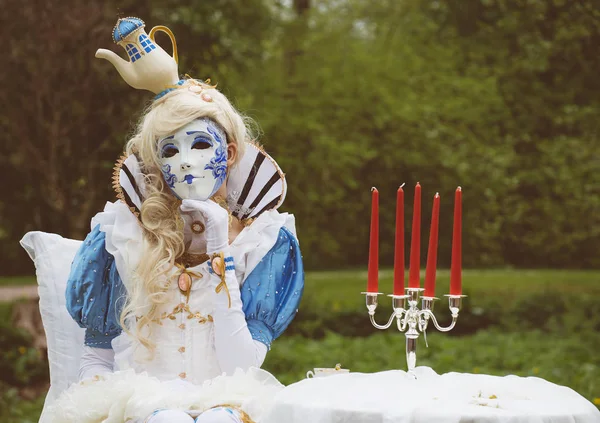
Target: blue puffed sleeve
[95,293]
[271,293]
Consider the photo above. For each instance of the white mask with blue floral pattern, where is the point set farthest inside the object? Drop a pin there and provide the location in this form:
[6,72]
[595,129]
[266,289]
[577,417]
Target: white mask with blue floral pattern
[194,159]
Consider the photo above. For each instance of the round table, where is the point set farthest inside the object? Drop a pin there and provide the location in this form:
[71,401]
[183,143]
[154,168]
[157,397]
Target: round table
[396,396]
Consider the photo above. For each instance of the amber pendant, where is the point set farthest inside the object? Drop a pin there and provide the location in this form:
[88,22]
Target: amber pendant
[184,282]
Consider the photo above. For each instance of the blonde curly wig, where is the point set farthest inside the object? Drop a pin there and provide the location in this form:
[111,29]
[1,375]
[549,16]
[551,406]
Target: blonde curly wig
[161,221]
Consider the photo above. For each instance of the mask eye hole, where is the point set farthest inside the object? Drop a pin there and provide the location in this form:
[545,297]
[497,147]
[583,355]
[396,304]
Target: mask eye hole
[201,144]
[169,150]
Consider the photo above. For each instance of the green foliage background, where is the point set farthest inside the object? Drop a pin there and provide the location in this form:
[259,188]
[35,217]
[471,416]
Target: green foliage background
[501,97]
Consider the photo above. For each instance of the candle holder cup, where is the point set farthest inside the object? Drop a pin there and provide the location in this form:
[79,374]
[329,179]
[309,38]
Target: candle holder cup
[410,319]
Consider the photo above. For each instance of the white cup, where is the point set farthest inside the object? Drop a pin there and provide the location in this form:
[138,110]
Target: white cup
[325,371]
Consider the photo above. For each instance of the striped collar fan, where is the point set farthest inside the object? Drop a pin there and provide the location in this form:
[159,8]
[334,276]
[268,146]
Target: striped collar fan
[256,184]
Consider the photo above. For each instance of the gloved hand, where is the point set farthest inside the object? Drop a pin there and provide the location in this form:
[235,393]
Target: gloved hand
[216,222]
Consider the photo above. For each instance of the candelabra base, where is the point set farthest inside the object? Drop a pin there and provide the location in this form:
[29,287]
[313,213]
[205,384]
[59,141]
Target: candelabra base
[410,319]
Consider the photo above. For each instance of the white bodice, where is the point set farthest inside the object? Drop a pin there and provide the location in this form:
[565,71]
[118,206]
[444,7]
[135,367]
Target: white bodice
[183,332]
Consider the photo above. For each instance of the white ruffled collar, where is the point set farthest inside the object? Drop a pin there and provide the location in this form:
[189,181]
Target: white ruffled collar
[124,237]
[255,185]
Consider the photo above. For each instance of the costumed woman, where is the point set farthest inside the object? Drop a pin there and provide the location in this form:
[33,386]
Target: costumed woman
[184,282]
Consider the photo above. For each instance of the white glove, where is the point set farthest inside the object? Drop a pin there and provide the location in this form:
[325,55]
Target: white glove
[216,222]
[95,362]
[233,341]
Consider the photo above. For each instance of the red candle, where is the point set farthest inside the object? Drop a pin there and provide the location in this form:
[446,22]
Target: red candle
[414,280]
[373,274]
[399,248]
[433,247]
[456,267]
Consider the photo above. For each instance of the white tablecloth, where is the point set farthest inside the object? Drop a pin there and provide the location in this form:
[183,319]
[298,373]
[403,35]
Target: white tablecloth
[395,396]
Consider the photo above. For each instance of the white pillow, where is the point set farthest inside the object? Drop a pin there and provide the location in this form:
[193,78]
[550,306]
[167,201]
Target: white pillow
[52,255]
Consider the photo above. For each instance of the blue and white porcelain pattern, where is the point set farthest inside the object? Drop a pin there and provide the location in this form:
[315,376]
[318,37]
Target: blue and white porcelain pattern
[133,52]
[146,43]
[170,178]
[218,164]
[168,90]
[126,26]
[194,159]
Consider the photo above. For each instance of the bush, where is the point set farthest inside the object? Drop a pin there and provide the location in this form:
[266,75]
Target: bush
[23,374]
[13,409]
[21,365]
[547,311]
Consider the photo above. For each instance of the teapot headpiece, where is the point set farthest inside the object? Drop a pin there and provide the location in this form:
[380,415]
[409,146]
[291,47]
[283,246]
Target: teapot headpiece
[149,67]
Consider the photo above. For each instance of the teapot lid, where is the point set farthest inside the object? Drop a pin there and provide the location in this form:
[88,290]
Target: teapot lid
[126,26]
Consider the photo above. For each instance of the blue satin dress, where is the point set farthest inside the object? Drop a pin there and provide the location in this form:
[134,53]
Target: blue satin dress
[270,294]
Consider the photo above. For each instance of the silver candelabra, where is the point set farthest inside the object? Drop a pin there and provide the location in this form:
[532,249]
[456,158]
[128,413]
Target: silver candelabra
[410,319]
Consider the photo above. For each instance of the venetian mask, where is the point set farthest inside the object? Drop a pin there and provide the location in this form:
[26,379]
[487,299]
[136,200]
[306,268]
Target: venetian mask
[194,159]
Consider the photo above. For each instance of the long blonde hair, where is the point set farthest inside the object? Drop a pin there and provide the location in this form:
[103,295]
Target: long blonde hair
[160,217]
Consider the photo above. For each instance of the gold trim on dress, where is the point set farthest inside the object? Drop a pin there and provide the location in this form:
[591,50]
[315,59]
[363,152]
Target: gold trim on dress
[243,415]
[183,308]
[218,266]
[116,184]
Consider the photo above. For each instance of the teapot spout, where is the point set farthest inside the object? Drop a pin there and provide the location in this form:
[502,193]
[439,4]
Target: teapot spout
[124,67]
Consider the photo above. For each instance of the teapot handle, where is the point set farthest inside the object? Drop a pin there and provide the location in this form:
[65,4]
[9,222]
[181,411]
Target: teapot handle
[167,31]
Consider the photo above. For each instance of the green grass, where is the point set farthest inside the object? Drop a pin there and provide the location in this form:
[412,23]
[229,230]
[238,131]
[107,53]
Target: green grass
[345,283]
[5,311]
[341,289]
[17,280]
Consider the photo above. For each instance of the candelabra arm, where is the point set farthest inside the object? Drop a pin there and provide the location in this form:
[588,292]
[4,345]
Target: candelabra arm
[403,322]
[422,322]
[371,302]
[386,326]
[437,325]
